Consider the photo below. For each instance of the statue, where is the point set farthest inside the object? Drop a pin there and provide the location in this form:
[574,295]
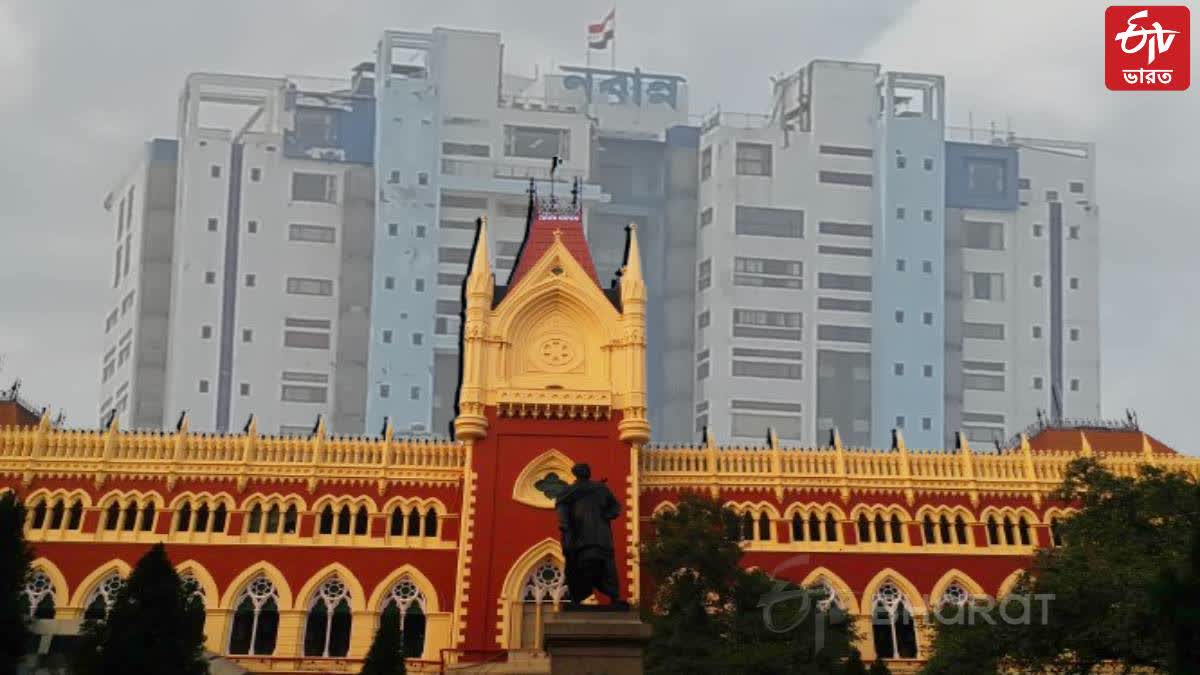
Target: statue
[585,510]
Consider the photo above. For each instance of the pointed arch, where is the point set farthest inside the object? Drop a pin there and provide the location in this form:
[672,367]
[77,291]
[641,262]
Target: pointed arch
[432,602]
[1009,583]
[61,591]
[665,505]
[99,574]
[911,594]
[211,594]
[510,592]
[357,599]
[839,585]
[951,576]
[247,575]
[525,489]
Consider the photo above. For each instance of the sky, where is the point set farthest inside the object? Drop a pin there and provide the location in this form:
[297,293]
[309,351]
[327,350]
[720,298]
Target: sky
[82,85]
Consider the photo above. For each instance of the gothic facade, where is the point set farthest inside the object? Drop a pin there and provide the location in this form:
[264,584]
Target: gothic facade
[296,546]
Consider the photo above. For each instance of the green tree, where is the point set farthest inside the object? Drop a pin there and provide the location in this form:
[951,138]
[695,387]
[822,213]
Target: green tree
[1112,594]
[711,616]
[152,626]
[386,656]
[880,668]
[14,569]
[854,664]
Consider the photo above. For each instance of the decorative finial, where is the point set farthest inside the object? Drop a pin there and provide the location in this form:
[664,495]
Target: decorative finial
[558,234]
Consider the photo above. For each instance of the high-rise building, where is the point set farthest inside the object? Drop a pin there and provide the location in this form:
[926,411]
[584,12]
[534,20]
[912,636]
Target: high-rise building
[852,269]
[251,242]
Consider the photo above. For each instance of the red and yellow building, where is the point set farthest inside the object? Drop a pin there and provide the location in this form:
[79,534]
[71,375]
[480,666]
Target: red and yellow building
[296,545]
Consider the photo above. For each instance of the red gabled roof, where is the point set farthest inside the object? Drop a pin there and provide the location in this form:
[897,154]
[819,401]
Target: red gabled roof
[1101,441]
[546,217]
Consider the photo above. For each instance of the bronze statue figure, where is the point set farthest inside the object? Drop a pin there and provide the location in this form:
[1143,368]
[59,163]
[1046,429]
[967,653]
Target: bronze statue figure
[585,511]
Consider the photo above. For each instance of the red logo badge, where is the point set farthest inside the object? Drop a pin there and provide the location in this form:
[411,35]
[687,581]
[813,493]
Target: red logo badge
[1146,48]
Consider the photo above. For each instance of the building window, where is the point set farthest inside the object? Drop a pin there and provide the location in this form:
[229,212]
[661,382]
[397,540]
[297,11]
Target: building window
[1051,195]
[927,370]
[314,126]
[314,187]
[387,336]
[900,264]
[1073,232]
[1074,385]
[766,324]
[1023,184]
[927,163]
[255,174]
[927,215]
[203,386]
[897,368]
[385,390]
[295,393]
[418,339]
[389,282]
[305,340]
[844,229]
[927,318]
[1074,283]
[706,163]
[703,319]
[1037,281]
[205,332]
[706,217]
[984,235]
[1037,332]
[976,382]
[247,335]
[983,331]
[987,286]
[768,272]
[926,423]
[306,286]
[419,285]
[244,388]
[414,393]
[987,176]
[901,161]
[899,421]
[419,231]
[422,178]
[252,227]
[1074,335]
[899,316]
[768,222]
[251,280]
[210,277]
[1075,187]
[536,142]
[394,178]
[215,171]
[753,159]
[845,178]
[843,282]
[899,213]
[927,266]
[1037,383]
[1038,230]
[320,234]
[393,229]
[766,369]
[704,274]
[212,224]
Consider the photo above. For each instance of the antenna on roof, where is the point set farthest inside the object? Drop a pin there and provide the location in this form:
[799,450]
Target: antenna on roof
[576,189]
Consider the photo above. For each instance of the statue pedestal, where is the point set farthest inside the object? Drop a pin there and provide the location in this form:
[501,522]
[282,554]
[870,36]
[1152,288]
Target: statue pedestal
[596,641]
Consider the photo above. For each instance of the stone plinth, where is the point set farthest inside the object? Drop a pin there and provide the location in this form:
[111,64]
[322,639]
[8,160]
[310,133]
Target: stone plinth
[596,642]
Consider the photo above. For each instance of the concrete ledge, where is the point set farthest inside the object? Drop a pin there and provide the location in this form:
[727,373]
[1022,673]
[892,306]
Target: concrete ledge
[596,642]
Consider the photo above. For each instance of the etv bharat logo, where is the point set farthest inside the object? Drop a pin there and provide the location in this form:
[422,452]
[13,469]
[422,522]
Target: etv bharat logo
[1147,48]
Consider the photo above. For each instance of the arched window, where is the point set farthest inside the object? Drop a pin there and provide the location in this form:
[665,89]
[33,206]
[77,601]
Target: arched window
[880,529]
[201,524]
[864,529]
[944,529]
[56,514]
[75,515]
[255,619]
[1023,531]
[360,520]
[955,595]
[1009,539]
[102,598]
[814,527]
[273,519]
[831,528]
[38,596]
[255,522]
[194,594]
[111,516]
[183,520]
[897,530]
[993,531]
[1056,536]
[414,523]
[828,597]
[343,520]
[327,630]
[892,624]
[431,522]
[130,520]
[797,527]
[218,518]
[147,517]
[544,588]
[397,525]
[746,533]
[406,604]
[764,527]
[327,520]
[960,530]
[927,530]
[39,515]
[289,520]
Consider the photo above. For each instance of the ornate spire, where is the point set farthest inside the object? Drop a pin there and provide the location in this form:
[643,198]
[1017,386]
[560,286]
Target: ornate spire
[480,280]
[633,285]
